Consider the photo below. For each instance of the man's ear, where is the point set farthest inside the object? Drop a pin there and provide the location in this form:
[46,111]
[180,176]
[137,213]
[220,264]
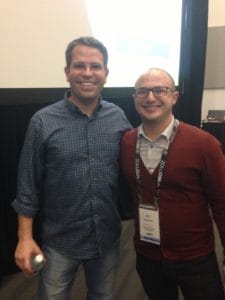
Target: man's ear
[175,97]
[106,74]
[66,70]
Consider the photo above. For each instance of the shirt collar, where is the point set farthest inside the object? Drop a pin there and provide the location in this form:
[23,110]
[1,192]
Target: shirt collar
[166,133]
[72,107]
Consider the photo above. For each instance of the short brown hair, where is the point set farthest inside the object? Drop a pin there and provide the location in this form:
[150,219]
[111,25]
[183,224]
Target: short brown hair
[87,41]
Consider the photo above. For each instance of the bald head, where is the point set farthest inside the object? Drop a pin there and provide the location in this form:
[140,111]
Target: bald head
[157,73]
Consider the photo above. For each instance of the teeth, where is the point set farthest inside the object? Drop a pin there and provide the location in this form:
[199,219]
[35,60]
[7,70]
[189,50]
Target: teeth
[87,83]
[151,107]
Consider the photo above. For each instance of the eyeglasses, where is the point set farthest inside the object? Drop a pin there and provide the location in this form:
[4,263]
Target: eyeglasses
[157,91]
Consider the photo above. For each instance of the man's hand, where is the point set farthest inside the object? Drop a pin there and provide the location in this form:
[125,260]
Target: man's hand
[24,251]
[26,247]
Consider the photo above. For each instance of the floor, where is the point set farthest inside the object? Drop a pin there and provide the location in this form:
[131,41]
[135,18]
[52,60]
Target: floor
[128,286]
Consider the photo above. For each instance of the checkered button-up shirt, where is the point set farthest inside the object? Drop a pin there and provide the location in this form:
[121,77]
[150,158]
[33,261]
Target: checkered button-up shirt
[68,174]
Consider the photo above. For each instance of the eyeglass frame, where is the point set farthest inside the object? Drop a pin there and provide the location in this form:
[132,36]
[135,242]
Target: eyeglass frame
[153,91]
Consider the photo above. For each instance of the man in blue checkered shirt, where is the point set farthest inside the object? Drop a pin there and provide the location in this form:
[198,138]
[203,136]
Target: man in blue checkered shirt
[68,175]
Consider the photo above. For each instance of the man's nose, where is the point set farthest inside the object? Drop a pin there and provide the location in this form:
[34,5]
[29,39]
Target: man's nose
[150,95]
[87,70]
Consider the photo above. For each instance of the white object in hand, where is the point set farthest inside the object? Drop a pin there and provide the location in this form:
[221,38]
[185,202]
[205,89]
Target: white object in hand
[37,262]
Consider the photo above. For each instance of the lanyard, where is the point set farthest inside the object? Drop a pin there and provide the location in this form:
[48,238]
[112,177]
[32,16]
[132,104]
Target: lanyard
[161,164]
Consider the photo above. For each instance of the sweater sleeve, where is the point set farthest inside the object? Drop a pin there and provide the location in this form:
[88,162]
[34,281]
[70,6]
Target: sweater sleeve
[214,182]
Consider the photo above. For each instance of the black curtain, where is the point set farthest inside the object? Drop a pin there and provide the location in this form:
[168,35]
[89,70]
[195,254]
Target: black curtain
[192,61]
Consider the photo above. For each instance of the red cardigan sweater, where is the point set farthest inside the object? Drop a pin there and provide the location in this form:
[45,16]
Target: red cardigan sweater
[193,179]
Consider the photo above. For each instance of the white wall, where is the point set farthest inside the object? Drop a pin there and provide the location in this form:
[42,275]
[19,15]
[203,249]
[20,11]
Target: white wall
[214,98]
[27,26]
[35,33]
[30,31]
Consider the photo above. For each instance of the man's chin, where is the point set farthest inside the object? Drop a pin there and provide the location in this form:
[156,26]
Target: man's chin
[150,117]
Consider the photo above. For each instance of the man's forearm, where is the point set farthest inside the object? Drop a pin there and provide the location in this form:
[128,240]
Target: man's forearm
[25,227]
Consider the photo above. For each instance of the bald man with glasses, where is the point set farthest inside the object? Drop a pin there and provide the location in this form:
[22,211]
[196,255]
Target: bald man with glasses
[176,173]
